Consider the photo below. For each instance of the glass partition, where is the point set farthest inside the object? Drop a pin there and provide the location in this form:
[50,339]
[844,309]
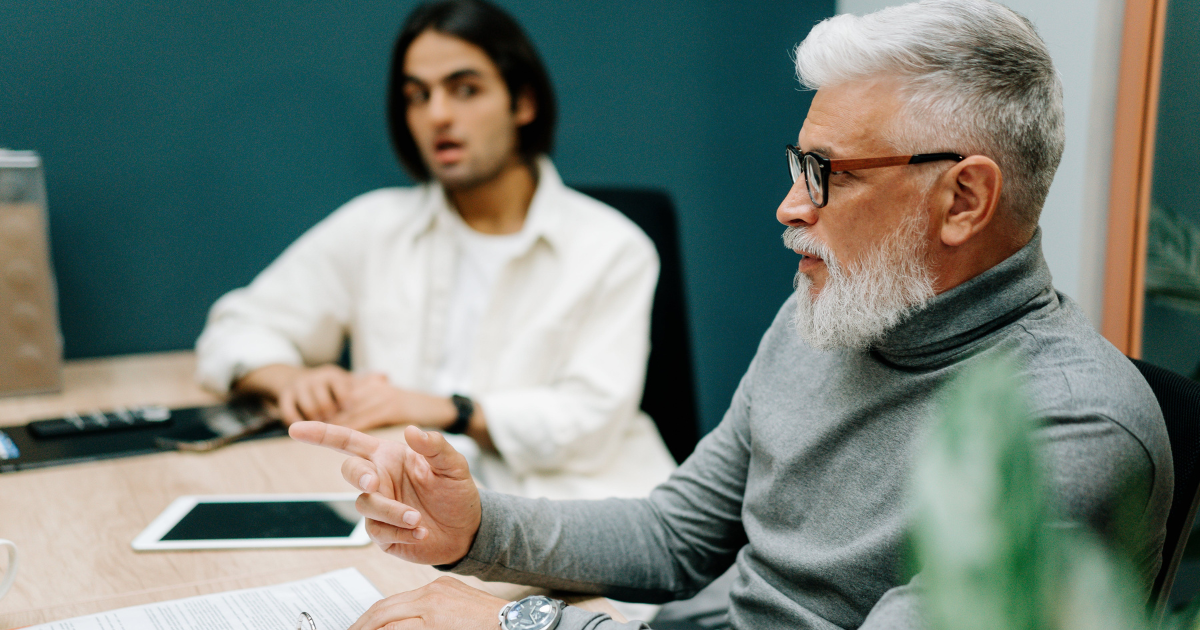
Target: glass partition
[1171,324]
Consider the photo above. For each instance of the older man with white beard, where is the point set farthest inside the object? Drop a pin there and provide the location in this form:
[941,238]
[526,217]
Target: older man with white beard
[919,174]
[853,309]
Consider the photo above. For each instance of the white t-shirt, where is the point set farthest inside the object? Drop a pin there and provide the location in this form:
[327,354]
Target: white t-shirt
[480,259]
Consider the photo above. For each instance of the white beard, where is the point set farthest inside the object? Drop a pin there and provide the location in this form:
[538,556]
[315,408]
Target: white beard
[856,307]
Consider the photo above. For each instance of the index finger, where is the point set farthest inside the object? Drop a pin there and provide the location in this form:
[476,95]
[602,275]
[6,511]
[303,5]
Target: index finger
[341,439]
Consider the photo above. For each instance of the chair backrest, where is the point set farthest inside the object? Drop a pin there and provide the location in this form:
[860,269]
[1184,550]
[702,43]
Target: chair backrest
[670,394]
[1179,398]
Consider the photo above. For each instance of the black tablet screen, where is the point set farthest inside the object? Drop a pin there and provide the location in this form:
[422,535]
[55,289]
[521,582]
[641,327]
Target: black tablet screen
[268,519]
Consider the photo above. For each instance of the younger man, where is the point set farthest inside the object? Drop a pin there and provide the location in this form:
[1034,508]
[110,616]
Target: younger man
[491,300]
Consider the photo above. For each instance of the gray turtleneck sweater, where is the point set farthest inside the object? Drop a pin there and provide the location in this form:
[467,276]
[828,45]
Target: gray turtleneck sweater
[803,482]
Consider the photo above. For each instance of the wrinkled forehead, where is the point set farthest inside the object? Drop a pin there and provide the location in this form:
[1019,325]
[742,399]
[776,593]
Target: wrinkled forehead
[853,119]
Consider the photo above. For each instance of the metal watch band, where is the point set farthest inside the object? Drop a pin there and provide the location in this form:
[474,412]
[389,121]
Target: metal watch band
[466,409]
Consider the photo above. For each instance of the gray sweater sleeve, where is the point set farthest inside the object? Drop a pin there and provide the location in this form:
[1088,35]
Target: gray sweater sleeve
[579,619]
[659,549]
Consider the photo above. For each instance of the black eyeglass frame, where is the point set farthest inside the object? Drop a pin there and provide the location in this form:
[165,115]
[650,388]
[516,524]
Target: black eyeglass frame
[826,166]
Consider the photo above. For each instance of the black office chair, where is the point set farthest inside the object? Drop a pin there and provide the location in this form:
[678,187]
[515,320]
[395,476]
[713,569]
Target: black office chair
[670,394]
[1179,398]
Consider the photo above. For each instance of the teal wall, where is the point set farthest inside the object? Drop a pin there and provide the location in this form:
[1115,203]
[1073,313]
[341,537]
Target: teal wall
[187,143]
[1171,338]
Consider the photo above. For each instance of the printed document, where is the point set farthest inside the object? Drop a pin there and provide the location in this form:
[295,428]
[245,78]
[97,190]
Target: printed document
[334,600]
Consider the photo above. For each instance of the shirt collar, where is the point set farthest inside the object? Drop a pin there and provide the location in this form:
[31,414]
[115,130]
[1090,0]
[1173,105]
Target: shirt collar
[543,221]
[962,319]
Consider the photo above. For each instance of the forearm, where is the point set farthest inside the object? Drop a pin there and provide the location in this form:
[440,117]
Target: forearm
[439,412]
[239,339]
[665,547]
[615,547]
[477,429]
[268,381]
[230,348]
[579,619]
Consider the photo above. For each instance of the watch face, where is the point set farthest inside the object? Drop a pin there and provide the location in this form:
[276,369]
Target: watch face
[531,613]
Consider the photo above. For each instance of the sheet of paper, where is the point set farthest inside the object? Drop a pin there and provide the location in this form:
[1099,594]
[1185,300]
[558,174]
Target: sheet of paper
[335,600]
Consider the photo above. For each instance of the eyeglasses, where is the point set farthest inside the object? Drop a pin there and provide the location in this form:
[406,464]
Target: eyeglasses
[817,168]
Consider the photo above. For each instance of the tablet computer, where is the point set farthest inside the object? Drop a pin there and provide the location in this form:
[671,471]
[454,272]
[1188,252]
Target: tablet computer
[255,521]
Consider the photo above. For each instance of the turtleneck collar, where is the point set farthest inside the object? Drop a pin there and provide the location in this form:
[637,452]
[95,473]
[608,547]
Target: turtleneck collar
[959,320]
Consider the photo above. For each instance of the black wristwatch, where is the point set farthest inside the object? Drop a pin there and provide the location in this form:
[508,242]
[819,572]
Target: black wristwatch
[466,409]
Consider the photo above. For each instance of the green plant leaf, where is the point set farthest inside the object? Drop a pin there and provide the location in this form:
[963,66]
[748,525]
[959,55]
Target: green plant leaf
[988,558]
[1173,260]
[985,560]
[1096,591]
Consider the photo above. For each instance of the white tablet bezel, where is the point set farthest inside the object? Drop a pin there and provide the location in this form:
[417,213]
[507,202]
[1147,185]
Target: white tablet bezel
[150,538]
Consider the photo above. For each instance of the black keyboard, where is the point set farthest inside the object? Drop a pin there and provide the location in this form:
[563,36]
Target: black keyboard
[101,422]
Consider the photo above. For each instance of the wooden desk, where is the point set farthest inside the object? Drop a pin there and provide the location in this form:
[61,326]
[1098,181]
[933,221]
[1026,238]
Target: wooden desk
[73,524]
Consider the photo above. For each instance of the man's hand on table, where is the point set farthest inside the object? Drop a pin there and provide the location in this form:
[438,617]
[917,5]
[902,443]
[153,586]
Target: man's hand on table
[444,604]
[419,499]
[302,393]
[329,393]
[373,402]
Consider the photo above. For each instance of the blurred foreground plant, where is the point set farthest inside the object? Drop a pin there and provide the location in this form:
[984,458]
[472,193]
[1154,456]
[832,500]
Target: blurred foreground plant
[991,555]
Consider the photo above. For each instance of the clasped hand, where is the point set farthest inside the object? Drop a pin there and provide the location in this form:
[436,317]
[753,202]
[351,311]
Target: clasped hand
[421,505]
[330,394]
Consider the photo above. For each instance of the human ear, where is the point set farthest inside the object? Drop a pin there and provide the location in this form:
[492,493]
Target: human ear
[975,184]
[525,109]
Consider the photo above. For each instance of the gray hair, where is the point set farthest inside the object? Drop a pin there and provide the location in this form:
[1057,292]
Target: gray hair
[977,79]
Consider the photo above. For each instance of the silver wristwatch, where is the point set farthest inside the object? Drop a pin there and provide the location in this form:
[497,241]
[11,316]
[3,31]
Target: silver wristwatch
[532,613]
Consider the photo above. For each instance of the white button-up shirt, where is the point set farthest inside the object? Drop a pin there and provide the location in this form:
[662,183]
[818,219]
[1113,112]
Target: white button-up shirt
[559,359]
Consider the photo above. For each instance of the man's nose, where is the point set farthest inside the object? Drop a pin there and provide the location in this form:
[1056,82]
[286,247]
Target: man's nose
[440,112]
[797,208]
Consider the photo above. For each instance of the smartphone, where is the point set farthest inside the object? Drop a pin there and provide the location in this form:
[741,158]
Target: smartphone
[216,426]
